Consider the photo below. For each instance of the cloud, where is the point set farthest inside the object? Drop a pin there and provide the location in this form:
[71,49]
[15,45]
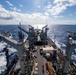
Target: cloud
[56,16]
[1,5]
[10,4]
[39,3]
[70,22]
[4,14]
[49,6]
[46,13]
[38,6]
[59,6]
[21,5]
[15,9]
[69,2]
[70,14]
[15,17]
[2,10]
[6,18]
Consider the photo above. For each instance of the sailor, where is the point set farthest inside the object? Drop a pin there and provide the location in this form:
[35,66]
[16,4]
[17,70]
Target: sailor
[21,36]
[54,57]
[43,68]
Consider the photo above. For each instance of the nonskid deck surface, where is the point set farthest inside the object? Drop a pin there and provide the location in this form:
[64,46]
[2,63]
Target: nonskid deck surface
[41,61]
[40,58]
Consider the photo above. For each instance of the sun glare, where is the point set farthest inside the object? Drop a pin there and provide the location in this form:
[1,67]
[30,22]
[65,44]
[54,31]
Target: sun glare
[39,26]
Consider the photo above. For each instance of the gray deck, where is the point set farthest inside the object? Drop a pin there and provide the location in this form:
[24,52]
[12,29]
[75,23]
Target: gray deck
[41,61]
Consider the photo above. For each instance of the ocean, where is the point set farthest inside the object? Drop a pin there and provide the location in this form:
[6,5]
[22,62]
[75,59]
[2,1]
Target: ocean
[58,33]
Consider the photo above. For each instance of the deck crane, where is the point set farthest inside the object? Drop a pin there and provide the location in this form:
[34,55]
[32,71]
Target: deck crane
[43,35]
[19,46]
[31,35]
[71,45]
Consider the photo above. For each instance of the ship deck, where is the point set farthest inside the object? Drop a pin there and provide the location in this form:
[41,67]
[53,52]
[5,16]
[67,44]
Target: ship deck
[40,59]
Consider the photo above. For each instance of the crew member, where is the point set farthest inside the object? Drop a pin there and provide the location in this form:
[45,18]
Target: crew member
[43,68]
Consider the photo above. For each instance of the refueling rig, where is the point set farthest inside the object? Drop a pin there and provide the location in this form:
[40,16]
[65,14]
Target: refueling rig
[38,38]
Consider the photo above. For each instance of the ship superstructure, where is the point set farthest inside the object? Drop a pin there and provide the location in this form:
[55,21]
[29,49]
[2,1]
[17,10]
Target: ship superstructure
[39,55]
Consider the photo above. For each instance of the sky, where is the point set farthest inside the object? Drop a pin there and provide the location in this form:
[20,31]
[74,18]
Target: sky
[38,12]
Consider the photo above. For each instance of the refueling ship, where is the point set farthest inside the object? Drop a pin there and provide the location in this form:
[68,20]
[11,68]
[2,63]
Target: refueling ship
[39,55]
